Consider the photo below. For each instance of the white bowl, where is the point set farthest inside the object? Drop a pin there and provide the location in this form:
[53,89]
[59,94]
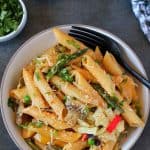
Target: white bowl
[19,28]
[35,46]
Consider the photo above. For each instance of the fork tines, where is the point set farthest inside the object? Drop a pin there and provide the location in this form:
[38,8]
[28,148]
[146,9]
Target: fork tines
[90,37]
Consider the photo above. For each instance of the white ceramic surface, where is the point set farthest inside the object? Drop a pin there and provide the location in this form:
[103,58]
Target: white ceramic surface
[35,46]
[19,28]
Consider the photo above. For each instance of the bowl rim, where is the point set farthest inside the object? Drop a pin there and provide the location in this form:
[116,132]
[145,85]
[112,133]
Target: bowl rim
[20,26]
[107,33]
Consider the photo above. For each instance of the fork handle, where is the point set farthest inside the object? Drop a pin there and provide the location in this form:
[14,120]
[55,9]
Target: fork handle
[136,75]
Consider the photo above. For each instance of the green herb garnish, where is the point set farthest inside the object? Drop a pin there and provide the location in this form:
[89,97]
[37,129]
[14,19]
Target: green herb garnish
[27,99]
[10,16]
[37,124]
[24,126]
[63,59]
[73,43]
[112,101]
[65,75]
[12,104]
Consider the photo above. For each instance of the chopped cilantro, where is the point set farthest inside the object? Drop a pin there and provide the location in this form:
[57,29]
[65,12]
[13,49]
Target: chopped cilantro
[10,16]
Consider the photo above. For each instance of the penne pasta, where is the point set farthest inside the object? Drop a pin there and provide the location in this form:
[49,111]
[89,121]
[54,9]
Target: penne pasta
[32,90]
[84,86]
[49,95]
[106,82]
[51,134]
[111,64]
[70,42]
[101,76]
[98,54]
[71,90]
[52,56]
[127,87]
[45,141]
[88,76]
[26,133]
[46,117]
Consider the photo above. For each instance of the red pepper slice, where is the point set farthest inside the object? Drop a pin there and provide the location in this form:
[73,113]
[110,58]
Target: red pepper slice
[113,124]
[84,137]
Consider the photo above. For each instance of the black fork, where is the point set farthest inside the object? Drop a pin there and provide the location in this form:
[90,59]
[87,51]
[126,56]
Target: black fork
[92,39]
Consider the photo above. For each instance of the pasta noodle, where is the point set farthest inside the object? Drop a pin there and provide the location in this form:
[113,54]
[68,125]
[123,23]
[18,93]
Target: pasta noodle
[72,91]
[46,117]
[98,55]
[49,95]
[33,92]
[84,86]
[111,65]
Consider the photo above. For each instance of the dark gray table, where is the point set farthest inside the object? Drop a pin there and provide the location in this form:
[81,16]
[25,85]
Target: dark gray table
[113,15]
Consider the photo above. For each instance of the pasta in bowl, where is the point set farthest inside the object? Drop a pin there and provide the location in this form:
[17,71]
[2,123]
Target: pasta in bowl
[70,98]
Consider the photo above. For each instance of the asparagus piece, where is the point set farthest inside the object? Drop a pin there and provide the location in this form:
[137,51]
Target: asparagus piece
[112,101]
[62,61]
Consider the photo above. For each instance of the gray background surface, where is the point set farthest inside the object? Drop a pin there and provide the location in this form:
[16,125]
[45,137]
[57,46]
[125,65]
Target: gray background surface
[113,15]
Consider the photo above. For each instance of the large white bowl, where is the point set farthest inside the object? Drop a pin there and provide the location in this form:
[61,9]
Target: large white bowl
[35,46]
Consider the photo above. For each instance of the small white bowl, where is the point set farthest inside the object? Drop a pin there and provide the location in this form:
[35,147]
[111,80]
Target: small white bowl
[20,26]
[34,47]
